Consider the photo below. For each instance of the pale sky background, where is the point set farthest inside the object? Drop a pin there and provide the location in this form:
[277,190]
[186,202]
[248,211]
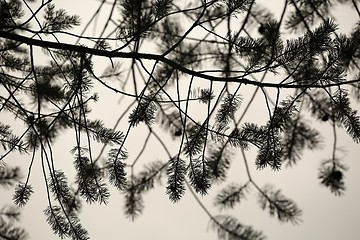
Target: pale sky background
[324,215]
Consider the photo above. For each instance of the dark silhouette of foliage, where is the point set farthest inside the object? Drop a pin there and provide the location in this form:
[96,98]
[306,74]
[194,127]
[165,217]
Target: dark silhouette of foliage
[277,204]
[176,181]
[9,214]
[331,175]
[22,194]
[229,228]
[192,69]
[231,195]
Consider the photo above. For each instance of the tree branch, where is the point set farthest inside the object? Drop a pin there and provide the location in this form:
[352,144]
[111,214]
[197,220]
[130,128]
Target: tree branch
[161,58]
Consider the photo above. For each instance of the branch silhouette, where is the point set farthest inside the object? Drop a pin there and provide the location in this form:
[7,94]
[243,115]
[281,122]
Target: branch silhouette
[256,83]
[138,55]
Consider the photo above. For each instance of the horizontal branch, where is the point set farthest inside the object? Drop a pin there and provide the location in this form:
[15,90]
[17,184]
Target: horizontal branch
[160,58]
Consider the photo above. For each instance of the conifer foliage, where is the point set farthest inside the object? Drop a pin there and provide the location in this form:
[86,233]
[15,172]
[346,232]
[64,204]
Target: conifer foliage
[190,68]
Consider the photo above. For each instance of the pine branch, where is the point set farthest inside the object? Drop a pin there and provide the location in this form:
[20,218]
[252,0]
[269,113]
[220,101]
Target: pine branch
[58,185]
[116,168]
[8,231]
[89,178]
[176,179]
[231,195]
[133,203]
[331,175]
[144,112]
[277,204]
[313,65]
[269,154]
[57,221]
[102,134]
[248,134]
[226,113]
[219,158]
[343,113]
[199,175]
[196,138]
[297,136]
[170,121]
[22,194]
[9,176]
[9,141]
[10,214]
[137,55]
[228,227]
[145,180]
[58,20]
[65,225]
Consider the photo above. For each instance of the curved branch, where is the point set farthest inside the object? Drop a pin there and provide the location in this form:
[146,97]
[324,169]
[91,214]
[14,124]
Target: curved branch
[161,58]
